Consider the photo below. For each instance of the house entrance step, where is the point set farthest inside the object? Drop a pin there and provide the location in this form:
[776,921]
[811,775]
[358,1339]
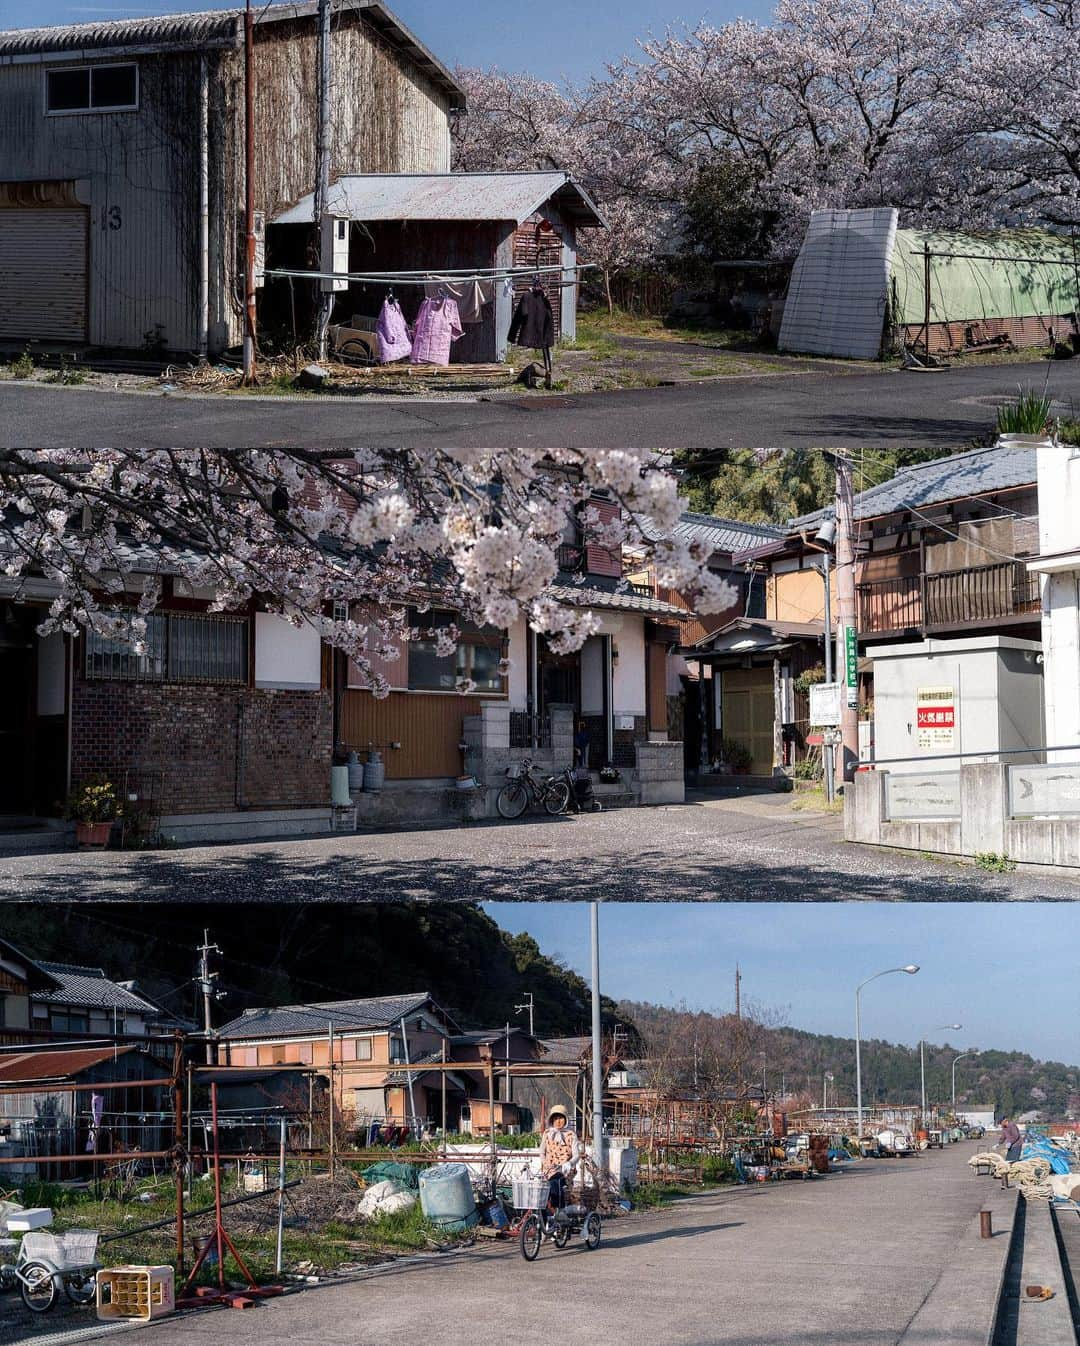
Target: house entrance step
[19,833]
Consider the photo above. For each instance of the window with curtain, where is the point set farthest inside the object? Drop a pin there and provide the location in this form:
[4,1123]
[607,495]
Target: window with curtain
[477,657]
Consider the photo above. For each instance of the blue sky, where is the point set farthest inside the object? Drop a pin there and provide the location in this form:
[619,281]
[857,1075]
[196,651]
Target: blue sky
[1003,971]
[563,38]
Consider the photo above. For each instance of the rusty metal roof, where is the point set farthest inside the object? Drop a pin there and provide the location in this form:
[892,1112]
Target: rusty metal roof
[217,28]
[448,197]
[29,1067]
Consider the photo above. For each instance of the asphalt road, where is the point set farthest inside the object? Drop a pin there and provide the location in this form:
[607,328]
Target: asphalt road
[753,848]
[828,406]
[848,1260]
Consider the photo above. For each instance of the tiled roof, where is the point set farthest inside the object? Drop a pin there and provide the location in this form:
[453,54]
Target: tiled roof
[298,1020]
[402,1076]
[37,978]
[722,534]
[942,479]
[586,595]
[32,1066]
[89,987]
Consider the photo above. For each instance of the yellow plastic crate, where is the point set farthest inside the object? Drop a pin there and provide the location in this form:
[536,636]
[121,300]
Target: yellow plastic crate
[135,1292]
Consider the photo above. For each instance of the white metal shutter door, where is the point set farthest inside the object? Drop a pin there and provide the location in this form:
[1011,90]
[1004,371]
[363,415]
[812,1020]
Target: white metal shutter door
[43,265]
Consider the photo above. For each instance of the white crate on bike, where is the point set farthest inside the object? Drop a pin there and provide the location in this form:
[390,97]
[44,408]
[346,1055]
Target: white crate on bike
[73,1250]
[529,1193]
[514,771]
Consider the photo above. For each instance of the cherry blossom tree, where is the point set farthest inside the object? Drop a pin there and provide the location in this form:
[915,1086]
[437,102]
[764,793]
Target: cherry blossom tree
[1015,99]
[346,542]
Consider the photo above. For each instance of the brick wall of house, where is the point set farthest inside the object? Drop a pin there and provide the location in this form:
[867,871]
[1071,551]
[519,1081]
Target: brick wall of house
[1022,332]
[206,748]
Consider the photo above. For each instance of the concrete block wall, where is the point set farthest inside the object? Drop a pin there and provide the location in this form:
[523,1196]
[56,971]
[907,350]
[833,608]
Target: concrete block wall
[659,773]
[983,827]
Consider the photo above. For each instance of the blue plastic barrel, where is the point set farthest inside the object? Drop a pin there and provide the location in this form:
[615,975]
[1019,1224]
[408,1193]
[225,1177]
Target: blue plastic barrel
[446,1197]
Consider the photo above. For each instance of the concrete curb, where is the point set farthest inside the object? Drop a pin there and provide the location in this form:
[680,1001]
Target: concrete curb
[1048,1322]
[962,1307]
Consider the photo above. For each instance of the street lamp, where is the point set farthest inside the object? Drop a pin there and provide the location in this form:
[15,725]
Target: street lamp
[955,1059]
[922,1064]
[910,969]
[826,539]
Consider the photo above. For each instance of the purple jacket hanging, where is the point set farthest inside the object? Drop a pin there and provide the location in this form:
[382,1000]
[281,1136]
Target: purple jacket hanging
[437,325]
[392,333]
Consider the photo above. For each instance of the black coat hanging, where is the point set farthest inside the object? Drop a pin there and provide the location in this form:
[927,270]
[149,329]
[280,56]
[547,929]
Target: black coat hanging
[533,323]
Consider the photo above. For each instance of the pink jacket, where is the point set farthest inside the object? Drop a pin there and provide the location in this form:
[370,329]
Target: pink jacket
[392,332]
[437,325]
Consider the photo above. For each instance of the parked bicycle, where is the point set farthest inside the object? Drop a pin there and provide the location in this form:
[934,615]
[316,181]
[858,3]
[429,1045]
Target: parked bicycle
[524,787]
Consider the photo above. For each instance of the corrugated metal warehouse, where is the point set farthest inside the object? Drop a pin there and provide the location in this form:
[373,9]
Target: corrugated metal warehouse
[120,137]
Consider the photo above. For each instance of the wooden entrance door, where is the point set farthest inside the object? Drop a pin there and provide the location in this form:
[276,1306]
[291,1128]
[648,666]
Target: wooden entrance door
[748,712]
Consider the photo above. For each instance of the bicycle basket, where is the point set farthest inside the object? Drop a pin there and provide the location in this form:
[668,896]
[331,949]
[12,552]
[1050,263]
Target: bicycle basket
[529,1193]
[513,771]
[76,1248]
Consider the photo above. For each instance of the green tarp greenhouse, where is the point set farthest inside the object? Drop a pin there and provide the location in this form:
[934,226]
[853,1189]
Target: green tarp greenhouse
[1010,286]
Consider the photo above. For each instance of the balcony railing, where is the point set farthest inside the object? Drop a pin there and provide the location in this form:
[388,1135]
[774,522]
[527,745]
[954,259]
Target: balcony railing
[969,597]
[570,558]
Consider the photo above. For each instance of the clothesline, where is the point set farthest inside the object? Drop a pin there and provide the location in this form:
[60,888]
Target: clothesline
[392,278]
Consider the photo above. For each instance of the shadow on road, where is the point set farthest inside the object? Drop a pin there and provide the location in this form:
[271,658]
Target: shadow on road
[346,874]
[660,1235]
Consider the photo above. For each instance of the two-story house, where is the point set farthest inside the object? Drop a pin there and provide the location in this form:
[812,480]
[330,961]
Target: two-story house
[359,1042]
[940,555]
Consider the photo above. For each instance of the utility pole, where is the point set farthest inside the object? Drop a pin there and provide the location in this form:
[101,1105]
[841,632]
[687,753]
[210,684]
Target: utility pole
[738,996]
[249,194]
[829,752]
[848,645]
[528,1005]
[597,1057]
[206,981]
[322,181]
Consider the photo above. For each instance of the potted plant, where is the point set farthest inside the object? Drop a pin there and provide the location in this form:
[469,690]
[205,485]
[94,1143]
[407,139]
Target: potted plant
[609,775]
[737,756]
[94,806]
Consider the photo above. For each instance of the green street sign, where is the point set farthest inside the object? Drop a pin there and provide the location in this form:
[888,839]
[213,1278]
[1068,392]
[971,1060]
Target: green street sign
[851,664]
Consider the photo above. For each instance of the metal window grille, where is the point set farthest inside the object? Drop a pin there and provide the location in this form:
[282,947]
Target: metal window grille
[180,647]
[529,731]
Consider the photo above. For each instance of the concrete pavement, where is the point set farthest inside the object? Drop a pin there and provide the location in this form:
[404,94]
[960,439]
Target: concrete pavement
[867,407]
[752,848]
[856,1259]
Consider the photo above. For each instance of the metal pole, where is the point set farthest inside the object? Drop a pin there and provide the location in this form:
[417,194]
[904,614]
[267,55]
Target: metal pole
[858,1072]
[281,1196]
[926,297]
[190,1167]
[830,751]
[922,1078]
[249,193]
[218,1226]
[408,1073]
[322,180]
[204,207]
[846,614]
[955,1059]
[597,1060]
[491,1106]
[330,1059]
[507,1099]
[442,1082]
[178,1139]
